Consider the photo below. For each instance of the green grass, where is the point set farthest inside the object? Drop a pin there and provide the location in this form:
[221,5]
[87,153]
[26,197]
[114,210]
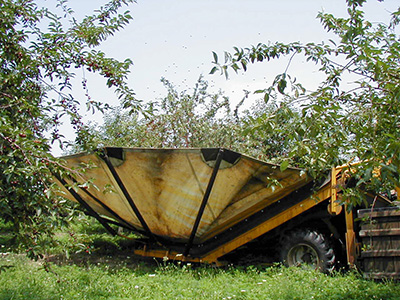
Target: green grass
[24,279]
[109,270]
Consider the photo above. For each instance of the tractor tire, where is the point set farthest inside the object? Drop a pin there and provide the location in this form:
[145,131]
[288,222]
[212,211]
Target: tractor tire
[307,249]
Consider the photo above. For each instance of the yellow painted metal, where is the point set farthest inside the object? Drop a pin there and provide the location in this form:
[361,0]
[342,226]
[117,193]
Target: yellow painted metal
[334,206]
[321,195]
[351,249]
[168,185]
[170,255]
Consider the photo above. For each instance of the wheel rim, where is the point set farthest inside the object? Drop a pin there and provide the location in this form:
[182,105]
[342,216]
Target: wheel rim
[303,255]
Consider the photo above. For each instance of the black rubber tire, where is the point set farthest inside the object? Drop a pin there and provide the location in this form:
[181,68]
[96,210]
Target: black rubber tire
[308,249]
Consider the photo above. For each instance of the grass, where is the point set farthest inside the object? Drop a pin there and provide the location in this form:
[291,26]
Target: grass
[111,271]
[147,280]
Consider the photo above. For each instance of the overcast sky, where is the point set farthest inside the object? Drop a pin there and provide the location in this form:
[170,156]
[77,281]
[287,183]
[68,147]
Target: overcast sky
[175,39]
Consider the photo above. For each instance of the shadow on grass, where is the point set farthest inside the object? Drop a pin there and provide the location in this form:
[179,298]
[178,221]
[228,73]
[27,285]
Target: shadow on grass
[109,254]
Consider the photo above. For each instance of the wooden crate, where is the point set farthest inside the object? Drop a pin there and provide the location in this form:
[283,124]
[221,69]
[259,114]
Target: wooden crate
[380,240]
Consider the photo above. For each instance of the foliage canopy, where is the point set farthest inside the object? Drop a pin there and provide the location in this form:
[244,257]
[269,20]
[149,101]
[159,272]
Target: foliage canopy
[39,52]
[339,123]
[192,118]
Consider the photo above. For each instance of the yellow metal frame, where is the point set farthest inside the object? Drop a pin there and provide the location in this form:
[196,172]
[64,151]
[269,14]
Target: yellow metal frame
[329,191]
[351,249]
[270,224]
[337,179]
[170,255]
[334,206]
[212,257]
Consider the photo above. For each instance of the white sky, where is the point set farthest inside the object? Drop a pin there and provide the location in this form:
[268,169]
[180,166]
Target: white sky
[175,39]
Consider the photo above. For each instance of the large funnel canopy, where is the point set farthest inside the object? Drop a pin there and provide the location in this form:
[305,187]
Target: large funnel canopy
[179,194]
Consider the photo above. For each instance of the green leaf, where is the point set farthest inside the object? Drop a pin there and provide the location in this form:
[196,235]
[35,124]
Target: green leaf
[282,85]
[259,91]
[266,97]
[213,70]
[284,165]
[215,57]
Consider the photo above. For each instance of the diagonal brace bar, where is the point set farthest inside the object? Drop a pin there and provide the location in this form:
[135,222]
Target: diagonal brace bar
[128,197]
[107,208]
[87,206]
[204,202]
